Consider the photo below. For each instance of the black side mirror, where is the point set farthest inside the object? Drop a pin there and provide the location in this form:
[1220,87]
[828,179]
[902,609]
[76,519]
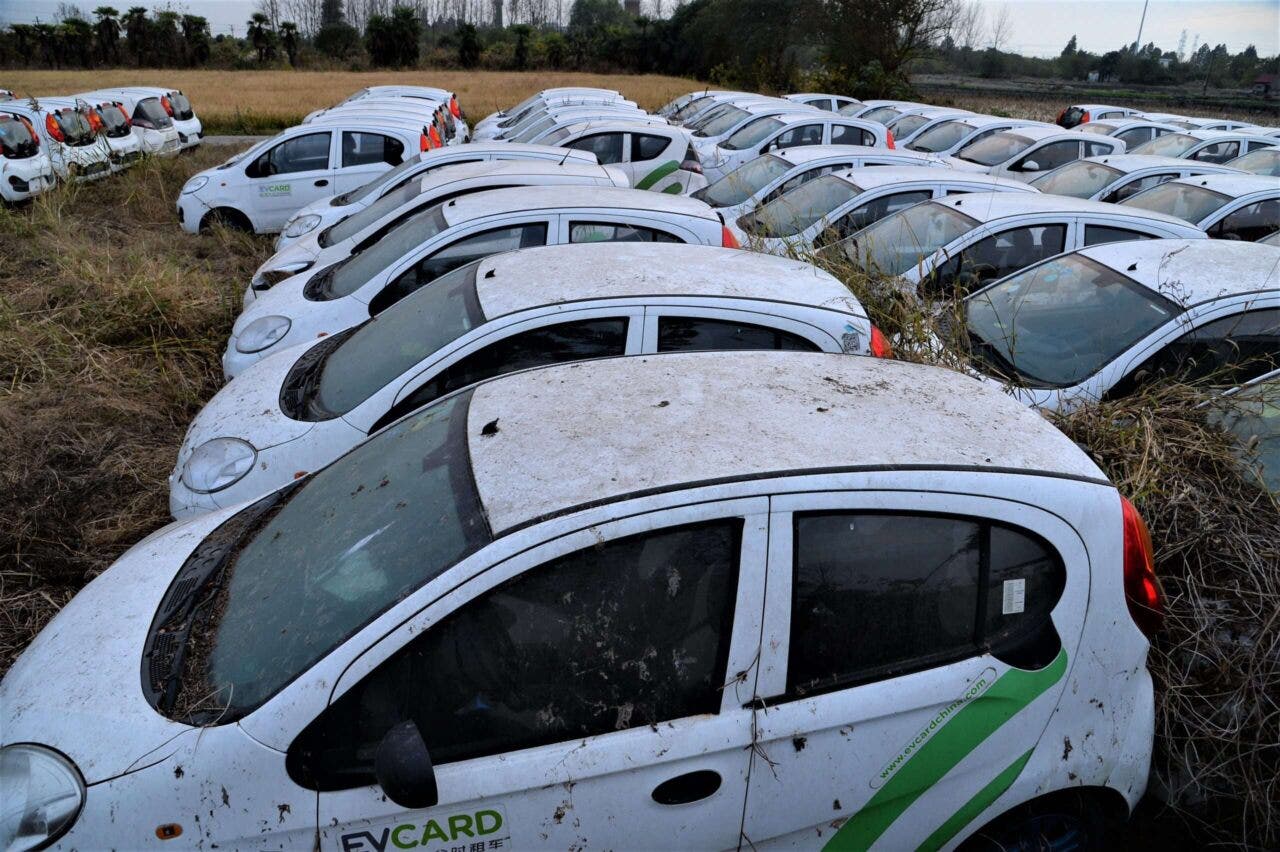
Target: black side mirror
[403,768]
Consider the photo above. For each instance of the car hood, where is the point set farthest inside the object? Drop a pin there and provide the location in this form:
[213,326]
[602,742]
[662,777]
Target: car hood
[304,249]
[966,166]
[285,299]
[78,686]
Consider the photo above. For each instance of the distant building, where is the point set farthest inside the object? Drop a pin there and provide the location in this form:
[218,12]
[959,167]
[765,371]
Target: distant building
[1266,85]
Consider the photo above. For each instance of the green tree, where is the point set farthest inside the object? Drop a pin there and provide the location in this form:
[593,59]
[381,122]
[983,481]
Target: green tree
[1070,49]
[46,37]
[137,34]
[468,46]
[331,12]
[167,47]
[106,32]
[521,57]
[262,37]
[338,40]
[76,35]
[289,41]
[393,39]
[195,39]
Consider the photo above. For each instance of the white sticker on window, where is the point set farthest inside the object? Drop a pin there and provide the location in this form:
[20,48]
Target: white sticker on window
[1015,597]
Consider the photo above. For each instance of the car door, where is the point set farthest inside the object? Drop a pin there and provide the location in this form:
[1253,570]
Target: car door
[363,155]
[993,257]
[1218,152]
[914,649]
[651,165]
[287,176]
[795,137]
[578,693]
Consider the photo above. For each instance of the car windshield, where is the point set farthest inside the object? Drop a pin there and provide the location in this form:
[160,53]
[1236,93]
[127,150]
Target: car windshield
[897,243]
[1168,145]
[1078,179]
[521,116]
[181,106]
[1191,203]
[744,182]
[1252,415]
[1059,322]
[387,178]
[722,123]
[995,149]
[152,113]
[347,228]
[536,128]
[113,118]
[752,134]
[794,211]
[883,114]
[694,106]
[909,124]
[16,140]
[395,340]
[941,137]
[357,538]
[712,112]
[353,273]
[1264,161]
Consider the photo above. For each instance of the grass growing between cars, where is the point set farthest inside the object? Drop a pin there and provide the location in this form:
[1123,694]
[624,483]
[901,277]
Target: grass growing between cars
[111,321]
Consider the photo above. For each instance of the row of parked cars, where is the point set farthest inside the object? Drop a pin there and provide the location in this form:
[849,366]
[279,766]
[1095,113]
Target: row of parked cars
[88,136]
[536,511]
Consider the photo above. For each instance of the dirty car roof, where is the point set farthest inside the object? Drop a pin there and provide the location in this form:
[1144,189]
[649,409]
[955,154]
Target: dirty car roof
[1193,271]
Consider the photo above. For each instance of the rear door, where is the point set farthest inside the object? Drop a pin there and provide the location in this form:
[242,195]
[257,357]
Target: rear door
[914,648]
[653,162]
[363,155]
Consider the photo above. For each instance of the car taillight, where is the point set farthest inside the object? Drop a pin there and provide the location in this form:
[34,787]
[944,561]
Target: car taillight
[168,107]
[1062,118]
[880,347]
[453,108]
[1084,118]
[128,122]
[727,239]
[52,127]
[1141,586]
[435,138]
[95,123]
[424,144]
[888,135]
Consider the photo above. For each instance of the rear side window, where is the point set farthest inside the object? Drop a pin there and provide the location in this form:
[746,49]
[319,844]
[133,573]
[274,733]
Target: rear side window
[1097,149]
[609,232]
[606,146]
[1050,156]
[808,134]
[879,595]
[360,149]
[646,147]
[1000,255]
[624,634]
[1098,234]
[1133,187]
[306,153]
[1226,352]
[1219,152]
[1251,222]
[842,134]
[691,334]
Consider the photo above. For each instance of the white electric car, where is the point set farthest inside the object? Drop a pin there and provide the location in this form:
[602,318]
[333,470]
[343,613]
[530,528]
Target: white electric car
[1225,206]
[948,137]
[66,137]
[261,188]
[915,122]
[768,176]
[1192,122]
[1024,152]
[439,239]
[881,110]
[1078,114]
[547,94]
[1117,177]
[178,106]
[427,93]
[822,100]
[545,118]
[109,123]
[535,613]
[837,205]
[360,230]
[542,130]
[148,119]
[788,130]
[543,107]
[1260,161]
[25,168]
[1100,322]
[656,157]
[958,244]
[1132,131]
[326,211]
[433,117]
[1211,146]
[304,406]
[730,118]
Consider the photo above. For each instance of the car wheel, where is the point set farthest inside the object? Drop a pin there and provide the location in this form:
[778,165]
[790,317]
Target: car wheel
[227,218]
[1067,823]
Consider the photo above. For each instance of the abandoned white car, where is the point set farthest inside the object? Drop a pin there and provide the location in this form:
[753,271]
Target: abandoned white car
[787,131]
[25,167]
[948,137]
[66,138]
[1225,206]
[1210,146]
[109,123]
[1024,152]
[656,157]
[1116,177]
[1132,131]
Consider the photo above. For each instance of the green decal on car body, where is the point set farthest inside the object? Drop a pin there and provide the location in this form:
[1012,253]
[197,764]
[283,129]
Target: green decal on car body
[673,189]
[979,803]
[657,174]
[966,729]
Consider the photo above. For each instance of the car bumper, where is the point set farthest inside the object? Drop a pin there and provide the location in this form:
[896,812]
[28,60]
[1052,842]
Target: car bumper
[14,187]
[190,212]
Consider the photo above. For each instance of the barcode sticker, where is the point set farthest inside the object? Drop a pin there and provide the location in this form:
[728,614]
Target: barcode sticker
[1015,597]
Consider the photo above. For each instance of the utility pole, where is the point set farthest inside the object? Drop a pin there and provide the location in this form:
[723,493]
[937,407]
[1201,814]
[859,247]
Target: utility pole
[1141,22]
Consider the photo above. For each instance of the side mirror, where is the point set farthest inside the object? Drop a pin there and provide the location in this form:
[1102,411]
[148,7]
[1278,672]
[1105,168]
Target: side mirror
[1031,166]
[403,768]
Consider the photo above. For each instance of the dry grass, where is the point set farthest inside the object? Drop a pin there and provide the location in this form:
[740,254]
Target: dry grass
[254,100]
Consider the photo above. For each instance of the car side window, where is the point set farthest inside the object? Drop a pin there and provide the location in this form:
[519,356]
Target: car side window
[998,255]
[803,178]
[1225,352]
[1097,149]
[1133,187]
[606,146]
[1134,137]
[697,334]
[309,152]
[1218,152]
[843,134]
[360,149]
[1049,156]
[1098,234]
[647,147]
[624,634]
[610,232]
[877,595]
[873,211]
[458,254]
[820,103]
[807,134]
[1251,222]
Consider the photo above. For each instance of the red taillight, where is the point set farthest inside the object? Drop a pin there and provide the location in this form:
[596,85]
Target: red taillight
[1084,118]
[727,239]
[95,122]
[168,107]
[52,127]
[453,108]
[424,144]
[1141,586]
[880,344]
[435,138]
[888,135]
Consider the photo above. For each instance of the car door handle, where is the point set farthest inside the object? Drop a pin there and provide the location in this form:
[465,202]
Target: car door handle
[690,787]
[322,182]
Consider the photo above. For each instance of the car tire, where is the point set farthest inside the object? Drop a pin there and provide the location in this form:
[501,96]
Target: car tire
[1069,822]
[228,217]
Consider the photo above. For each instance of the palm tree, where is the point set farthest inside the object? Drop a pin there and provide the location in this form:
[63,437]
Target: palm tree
[261,36]
[289,40]
[107,34]
[137,33]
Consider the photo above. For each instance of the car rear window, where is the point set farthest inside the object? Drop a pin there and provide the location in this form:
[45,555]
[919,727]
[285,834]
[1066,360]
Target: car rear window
[744,182]
[1192,203]
[181,106]
[1079,179]
[16,141]
[1168,145]
[995,149]
[794,211]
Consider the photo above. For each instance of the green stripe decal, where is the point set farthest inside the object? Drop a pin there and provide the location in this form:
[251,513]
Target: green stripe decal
[673,189]
[979,803]
[657,174]
[976,720]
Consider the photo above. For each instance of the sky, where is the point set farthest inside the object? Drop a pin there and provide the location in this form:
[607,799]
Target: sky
[1038,27]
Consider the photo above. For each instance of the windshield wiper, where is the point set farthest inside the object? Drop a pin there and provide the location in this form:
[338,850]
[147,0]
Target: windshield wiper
[298,392]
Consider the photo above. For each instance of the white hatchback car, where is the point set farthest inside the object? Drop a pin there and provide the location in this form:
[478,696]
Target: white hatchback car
[1119,176]
[301,408]
[66,137]
[1226,206]
[1261,161]
[1210,146]
[25,167]
[768,176]
[326,211]
[547,94]
[1132,131]
[536,612]
[178,106]
[358,231]
[837,205]
[948,137]
[656,157]
[1024,152]
[148,119]
[823,100]
[788,130]
[439,239]
[109,123]
[545,106]
[956,245]
[727,120]
[261,188]
[1100,322]
[540,132]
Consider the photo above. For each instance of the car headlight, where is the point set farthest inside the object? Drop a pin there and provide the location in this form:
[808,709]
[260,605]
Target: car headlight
[269,278]
[41,794]
[218,464]
[302,225]
[196,183]
[262,333]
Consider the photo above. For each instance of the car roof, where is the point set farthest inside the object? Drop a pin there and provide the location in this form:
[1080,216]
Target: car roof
[808,153]
[978,120]
[1099,106]
[1234,184]
[533,198]
[990,206]
[1221,135]
[624,126]
[1133,162]
[579,434]
[1130,121]
[1037,132]
[504,169]
[888,175]
[495,146]
[1192,271]
[518,280]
